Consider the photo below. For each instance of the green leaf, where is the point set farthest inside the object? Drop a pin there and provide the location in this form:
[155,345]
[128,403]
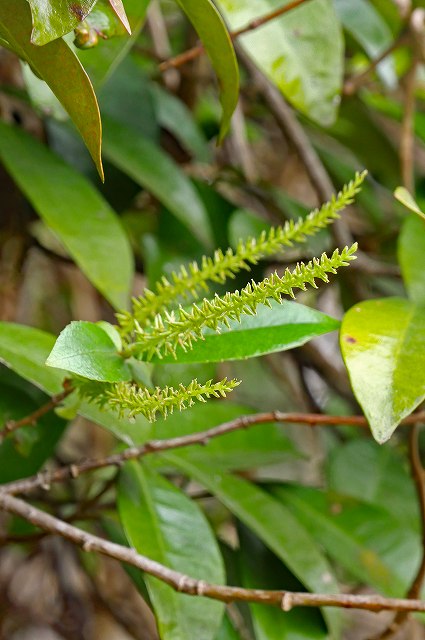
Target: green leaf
[101,61]
[164,524]
[376,475]
[281,327]
[402,195]
[227,630]
[274,524]
[56,64]
[301,52]
[244,449]
[214,35]
[119,10]
[74,210]
[148,165]
[25,350]
[52,20]
[87,350]
[383,345]
[350,532]
[15,462]
[260,569]
[411,256]
[174,116]
[366,25]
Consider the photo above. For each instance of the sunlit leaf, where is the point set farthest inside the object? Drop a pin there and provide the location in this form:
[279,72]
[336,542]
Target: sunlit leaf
[216,40]
[383,345]
[301,51]
[74,210]
[56,64]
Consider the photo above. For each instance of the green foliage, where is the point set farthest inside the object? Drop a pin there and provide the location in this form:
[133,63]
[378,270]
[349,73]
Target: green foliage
[275,506]
[185,327]
[188,282]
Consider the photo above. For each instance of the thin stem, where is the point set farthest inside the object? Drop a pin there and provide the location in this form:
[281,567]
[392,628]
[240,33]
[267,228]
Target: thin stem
[195,52]
[354,83]
[286,600]
[45,479]
[13,425]
[407,142]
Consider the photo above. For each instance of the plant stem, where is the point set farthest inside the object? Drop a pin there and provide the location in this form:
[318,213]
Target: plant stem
[45,479]
[195,52]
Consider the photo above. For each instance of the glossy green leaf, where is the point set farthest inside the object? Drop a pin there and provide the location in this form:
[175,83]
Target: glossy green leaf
[352,533]
[383,345]
[283,326]
[25,351]
[164,524]
[301,52]
[260,569]
[149,166]
[87,350]
[53,19]
[366,25]
[74,211]
[214,35]
[411,255]
[56,64]
[402,195]
[244,449]
[274,524]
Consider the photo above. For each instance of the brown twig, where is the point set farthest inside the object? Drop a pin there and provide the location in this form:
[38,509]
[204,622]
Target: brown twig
[45,479]
[13,425]
[407,140]
[351,85]
[319,177]
[195,52]
[181,583]
[417,472]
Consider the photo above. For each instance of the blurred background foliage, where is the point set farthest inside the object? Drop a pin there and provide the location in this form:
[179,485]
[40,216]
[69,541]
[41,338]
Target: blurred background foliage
[327,89]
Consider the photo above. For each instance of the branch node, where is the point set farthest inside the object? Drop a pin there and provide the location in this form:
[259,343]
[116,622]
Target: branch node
[201,586]
[87,545]
[287,603]
[74,471]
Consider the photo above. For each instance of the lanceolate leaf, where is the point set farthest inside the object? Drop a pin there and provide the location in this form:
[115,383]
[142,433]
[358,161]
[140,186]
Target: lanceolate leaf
[54,18]
[119,9]
[56,64]
[149,166]
[74,210]
[283,326]
[164,524]
[261,569]
[351,532]
[383,345]
[411,254]
[216,40]
[87,350]
[301,52]
[274,524]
